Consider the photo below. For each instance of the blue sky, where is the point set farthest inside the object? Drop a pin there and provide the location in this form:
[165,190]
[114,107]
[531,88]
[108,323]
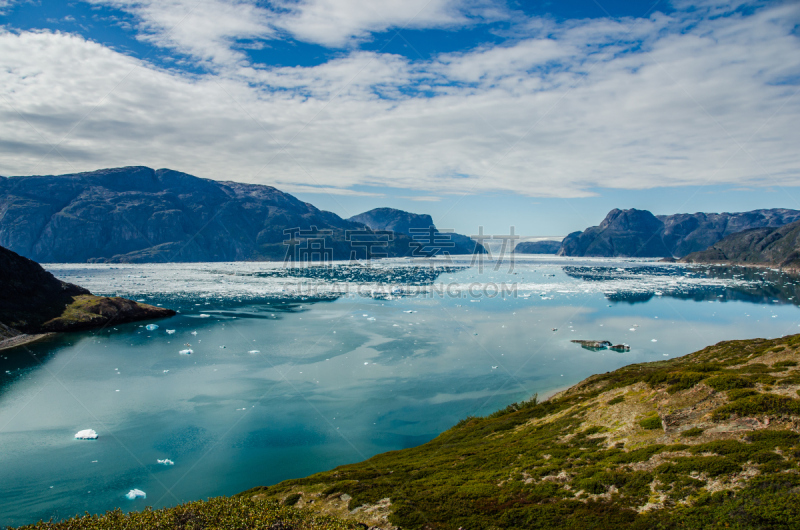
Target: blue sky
[541,115]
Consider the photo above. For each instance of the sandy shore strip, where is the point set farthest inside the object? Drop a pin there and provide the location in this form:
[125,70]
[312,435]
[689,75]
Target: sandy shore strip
[20,340]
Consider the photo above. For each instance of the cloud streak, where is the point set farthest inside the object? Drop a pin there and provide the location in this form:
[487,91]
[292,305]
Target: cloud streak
[559,111]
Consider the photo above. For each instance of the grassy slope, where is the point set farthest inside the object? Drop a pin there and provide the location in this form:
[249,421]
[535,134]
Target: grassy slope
[709,440]
[678,443]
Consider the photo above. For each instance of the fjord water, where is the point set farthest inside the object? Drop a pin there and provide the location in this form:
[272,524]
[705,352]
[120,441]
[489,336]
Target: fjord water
[294,371]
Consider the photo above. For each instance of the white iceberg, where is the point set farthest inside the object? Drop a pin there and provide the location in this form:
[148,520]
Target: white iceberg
[151,327]
[204,315]
[254,351]
[409,311]
[170,331]
[166,462]
[186,352]
[136,494]
[194,333]
[86,434]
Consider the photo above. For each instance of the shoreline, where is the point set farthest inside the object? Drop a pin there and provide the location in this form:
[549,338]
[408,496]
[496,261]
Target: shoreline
[770,266]
[23,339]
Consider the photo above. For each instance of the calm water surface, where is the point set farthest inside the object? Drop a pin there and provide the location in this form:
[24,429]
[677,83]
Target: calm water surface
[297,371]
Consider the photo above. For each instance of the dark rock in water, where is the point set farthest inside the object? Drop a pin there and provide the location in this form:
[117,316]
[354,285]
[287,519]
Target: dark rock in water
[538,247]
[137,215]
[638,233]
[779,247]
[593,345]
[620,347]
[34,301]
[415,226]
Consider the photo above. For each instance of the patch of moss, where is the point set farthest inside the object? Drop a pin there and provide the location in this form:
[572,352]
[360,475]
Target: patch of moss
[651,423]
[769,404]
[694,432]
[618,399]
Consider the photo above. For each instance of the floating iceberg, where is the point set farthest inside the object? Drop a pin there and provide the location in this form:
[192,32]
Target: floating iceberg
[409,311]
[204,315]
[136,494]
[186,352]
[254,351]
[194,333]
[86,434]
[151,327]
[166,462]
[170,331]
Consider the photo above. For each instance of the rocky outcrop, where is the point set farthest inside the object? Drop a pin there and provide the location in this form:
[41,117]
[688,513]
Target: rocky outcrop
[629,233]
[778,247]
[538,247]
[415,226]
[137,214]
[638,233]
[34,301]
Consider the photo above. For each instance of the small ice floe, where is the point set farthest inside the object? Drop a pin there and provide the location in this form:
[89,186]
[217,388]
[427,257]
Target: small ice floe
[653,340]
[170,331]
[186,352]
[222,347]
[364,315]
[254,351]
[494,368]
[86,434]
[151,327]
[371,318]
[194,333]
[165,371]
[135,494]
[166,462]
[366,363]
[204,315]
[409,311]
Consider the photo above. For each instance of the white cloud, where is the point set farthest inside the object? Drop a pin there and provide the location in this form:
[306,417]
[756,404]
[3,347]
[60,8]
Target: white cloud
[336,23]
[213,30]
[206,30]
[559,114]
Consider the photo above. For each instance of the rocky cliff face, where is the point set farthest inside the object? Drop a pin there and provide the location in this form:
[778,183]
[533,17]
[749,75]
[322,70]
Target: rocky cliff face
[638,233]
[136,214]
[765,246]
[33,301]
[632,233]
[412,225]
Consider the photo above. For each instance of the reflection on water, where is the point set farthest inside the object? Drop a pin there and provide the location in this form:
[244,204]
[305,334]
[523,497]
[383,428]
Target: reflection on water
[746,284]
[282,384]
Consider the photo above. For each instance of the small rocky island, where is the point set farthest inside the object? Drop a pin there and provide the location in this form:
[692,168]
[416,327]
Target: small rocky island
[597,345]
[34,303]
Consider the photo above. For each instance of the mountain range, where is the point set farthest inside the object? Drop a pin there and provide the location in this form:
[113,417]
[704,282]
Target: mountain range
[137,214]
[779,247]
[639,233]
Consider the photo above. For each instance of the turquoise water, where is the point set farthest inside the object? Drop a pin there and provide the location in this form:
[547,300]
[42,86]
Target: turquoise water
[294,372]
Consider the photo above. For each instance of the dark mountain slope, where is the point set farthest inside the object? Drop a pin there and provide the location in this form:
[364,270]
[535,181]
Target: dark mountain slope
[136,214]
[33,301]
[764,246]
[639,233]
[414,226]
[634,233]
